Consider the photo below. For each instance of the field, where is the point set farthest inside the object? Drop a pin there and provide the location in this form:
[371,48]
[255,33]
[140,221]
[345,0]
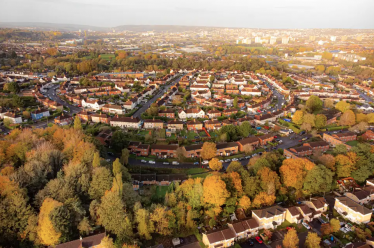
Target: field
[161,191]
[107,56]
[352,143]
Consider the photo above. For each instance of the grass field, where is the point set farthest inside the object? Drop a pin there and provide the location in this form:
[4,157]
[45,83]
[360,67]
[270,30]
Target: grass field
[203,175]
[352,143]
[161,191]
[107,56]
[195,170]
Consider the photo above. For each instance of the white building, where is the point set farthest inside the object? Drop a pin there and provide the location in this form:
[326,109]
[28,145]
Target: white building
[94,104]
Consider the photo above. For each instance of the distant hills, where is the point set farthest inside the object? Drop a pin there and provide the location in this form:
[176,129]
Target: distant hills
[42,26]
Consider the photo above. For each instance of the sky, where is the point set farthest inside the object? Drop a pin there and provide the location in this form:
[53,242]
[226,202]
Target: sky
[219,13]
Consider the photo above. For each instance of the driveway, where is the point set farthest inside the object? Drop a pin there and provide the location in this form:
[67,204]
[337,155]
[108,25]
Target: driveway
[256,244]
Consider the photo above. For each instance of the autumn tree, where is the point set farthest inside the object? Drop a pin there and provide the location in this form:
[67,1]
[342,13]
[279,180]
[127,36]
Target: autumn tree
[245,203]
[193,190]
[360,117]
[107,242]
[327,160]
[268,180]
[263,199]
[360,234]
[306,127]
[247,149]
[297,117]
[335,225]
[215,192]
[326,229]
[312,240]
[293,172]
[360,127]
[208,150]
[162,220]
[291,240]
[125,156]
[234,166]
[320,121]
[342,106]
[77,123]
[314,103]
[142,218]
[309,119]
[345,164]
[84,226]
[96,160]
[215,164]
[329,103]
[347,118]
[46,231]
[101,182]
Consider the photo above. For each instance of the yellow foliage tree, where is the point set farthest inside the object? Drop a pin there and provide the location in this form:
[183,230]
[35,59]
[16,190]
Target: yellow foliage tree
[291,240]
[293,172]
[215,164]
[208,150]
[46,232]
[297,118]
[263,199]
[245,202]
[215,192]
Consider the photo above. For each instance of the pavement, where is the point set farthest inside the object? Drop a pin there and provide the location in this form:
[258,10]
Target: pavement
[155,97]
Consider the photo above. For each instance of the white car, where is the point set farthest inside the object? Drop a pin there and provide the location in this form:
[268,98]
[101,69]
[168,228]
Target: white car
[165,163]
[175,163]
[143,161]
[234,159]
[151,162]
[205,162]
[306,225]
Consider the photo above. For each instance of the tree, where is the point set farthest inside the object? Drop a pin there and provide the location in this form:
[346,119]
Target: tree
[112,215]
[345,164]
[310,119]
[234,166]
[360,117]
[360,127]
[312,240]
[293,172]
[327,160]
[370,118]
[77,123]
[306,127]
[291,240]
[162,220]
[125,156]
[101,182]
[247,149]
[335,225]
[360,234]
[84,226]
[245,203]
[209,150]
[329,103]
[245,129]
[269,180]
[297,117]
[215,192]
[347,119]
[107,242]
[314,104]
[142,218]
[118,140]
[46,231]
[342,106]
[326,229]
[215,164]
[318,180]
[235,103]
[96,160]
[263,199]
[320,121]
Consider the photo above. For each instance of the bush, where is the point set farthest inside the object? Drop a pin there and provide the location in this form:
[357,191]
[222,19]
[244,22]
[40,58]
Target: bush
[237,245]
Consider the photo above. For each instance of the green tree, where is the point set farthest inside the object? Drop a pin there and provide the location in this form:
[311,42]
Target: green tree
[235,103]
[314,103]
[342,106]
[318,180]
[101,182]
[96,160]
[245,129]
[312,240]
[335,225]
[234,166]
[118,140]
[125,156]
[320,121]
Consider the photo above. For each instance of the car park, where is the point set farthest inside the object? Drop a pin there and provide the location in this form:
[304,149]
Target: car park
[241,158]
[196,163]
[250,242]
[221,161]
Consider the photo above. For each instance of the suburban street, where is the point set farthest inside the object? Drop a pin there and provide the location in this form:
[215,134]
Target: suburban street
[153,99]
[51,94]
[364,96]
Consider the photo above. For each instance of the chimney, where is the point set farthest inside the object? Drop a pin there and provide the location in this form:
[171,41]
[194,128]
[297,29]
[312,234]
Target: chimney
[132,117]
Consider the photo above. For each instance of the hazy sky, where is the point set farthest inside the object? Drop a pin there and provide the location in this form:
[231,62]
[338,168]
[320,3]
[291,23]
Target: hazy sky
[222,13]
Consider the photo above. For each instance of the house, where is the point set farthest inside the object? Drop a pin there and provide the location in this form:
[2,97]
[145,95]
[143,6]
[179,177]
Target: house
[245,228]
[93,241]
[264,139]
[194,125]
[212,125]
[169,113]
[63,120]
[352,210]
[250,92]
[104,137]
[230,111]
[175,125]
[113,109]
[306,212]
[368,135]
[198,87]
[15,119]
[84,115]
[346,136]
[270,217]
[93,104]
[361,196]
[164,151]
[227,149]
[130,104]
[293,215]
[192,151]
[263,118]
[100,118]
[40,113]
[191,113]
[317,205]
[334,140]
[318,146]
[140,149]
[214,113]
[219,238]
[302,151]
[125,122]
[252,141]
[153,124]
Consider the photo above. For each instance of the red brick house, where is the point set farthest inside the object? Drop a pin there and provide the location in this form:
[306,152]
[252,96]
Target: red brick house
[321,146]
[345,137]
[368,135]
[302,151]
[230,111]
[264,139]
[164,151]
[214,113]
[142,150]
[253,141]
[167,113]
[194,125]
[227,149]
[100,118]
[84,115]
[63,119]
[212,125]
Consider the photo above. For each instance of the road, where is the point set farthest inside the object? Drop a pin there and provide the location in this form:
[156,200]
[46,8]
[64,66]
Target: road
[154,98]
[365,97]
[51,94]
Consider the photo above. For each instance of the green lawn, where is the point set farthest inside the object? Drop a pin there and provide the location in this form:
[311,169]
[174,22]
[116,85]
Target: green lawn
[191,135]
[107,56]
[352,143]
[203,175]
[195,170]
[161,191]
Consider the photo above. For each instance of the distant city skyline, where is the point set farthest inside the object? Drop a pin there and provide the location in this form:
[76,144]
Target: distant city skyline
[277,14]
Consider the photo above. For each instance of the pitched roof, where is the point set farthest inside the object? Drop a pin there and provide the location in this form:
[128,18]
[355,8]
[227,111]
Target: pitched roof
[353,205]
[226,145]
[249,140]
[293,210]
[90,241]
[319,202]
[318,143]
[269,212]
[165,147]
[220,235]
[125,119]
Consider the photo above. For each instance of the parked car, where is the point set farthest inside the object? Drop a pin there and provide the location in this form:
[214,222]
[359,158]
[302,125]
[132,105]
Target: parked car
[165,163]
[241,158]
[221,161]
[250,242]
[259,240]
[196,163]
[228,160]
[151,162]
[275,137]
[175,163]
[247,157]
[110,153]
[304,139]
[306,225]
[288,228]
[234,159]
[205,162]
[143,161]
